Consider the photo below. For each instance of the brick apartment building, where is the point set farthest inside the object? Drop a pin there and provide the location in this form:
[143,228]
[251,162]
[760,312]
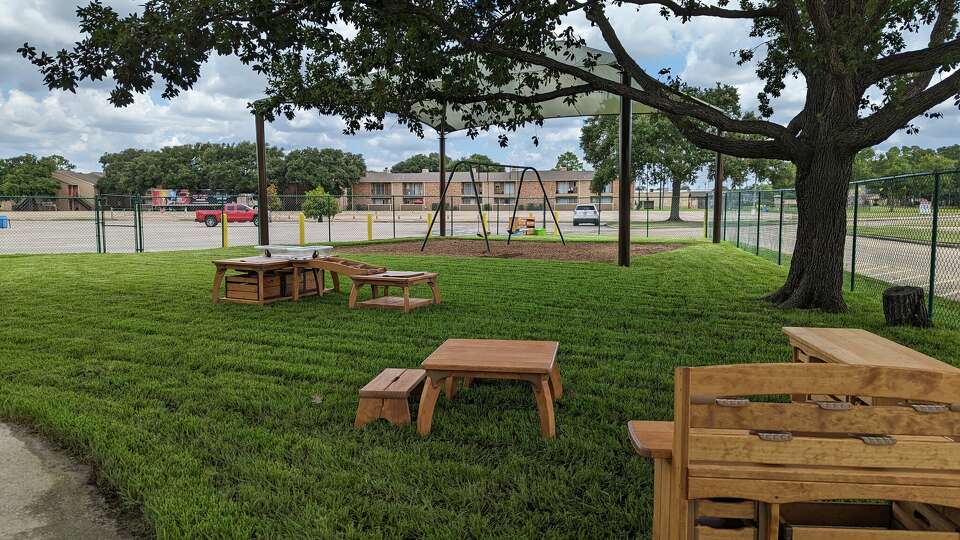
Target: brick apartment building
[421,191]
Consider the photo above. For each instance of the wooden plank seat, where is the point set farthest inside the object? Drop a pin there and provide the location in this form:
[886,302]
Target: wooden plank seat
[387,396]
[781,453]
[381,283]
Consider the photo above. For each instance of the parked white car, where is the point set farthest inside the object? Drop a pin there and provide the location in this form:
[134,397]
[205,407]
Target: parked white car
[586,213]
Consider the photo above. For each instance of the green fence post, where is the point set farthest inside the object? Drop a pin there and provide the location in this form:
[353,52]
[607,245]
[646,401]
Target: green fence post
[933,242]
[726,201]
[138,215]
[758,224]
[706,215]
[780,233]
[853,247]
[96,221]
[648,223]
[739,207]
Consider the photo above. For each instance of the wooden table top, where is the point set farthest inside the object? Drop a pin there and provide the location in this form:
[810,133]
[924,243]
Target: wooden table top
[493,356]
[254,263]
[855,346]
[396,277]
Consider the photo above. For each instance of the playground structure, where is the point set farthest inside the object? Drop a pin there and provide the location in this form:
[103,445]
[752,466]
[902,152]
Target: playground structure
[483,222]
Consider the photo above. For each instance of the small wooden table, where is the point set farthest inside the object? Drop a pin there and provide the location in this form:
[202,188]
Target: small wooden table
[263,268]
[404,280]
[857,347]
[531,361]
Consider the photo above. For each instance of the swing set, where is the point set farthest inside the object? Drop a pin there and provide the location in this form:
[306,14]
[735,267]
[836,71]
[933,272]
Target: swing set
[476,192]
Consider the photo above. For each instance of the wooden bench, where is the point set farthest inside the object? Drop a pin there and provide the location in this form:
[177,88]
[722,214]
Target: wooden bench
[387,396]
[728,454]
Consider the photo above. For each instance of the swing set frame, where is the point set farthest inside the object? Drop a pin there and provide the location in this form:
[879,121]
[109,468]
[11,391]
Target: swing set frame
[476,193]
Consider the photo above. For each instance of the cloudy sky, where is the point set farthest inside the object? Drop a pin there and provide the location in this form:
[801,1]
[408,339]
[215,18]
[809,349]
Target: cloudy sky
[84,126]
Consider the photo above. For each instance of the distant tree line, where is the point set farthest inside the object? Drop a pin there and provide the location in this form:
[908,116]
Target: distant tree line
[31,175]
[230,168]
[431,162]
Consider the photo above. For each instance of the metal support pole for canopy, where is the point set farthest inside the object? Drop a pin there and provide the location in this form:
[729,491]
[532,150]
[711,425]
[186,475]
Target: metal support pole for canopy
[718,197]
[263,203]
[626,176]
[443,163]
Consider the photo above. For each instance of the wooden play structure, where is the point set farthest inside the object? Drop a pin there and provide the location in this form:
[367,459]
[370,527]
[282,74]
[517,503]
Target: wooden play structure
[729,467]
[381,283]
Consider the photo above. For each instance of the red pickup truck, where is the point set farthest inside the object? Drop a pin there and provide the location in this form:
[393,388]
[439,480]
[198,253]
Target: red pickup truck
[236,213]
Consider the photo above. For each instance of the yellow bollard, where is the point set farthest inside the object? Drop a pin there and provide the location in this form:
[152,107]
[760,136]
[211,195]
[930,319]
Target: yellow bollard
[369,226]
[485,226]
[303,235]
[226,232]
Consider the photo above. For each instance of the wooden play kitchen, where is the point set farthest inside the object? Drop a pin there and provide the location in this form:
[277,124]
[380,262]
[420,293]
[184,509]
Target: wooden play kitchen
[282,273]
[381,283]
[731,468]
[469,359]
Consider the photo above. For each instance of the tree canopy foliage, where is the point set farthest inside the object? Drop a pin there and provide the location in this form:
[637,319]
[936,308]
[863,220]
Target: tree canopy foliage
[495,62]
[31,175]
[431,162]
[568,161]
[227,167]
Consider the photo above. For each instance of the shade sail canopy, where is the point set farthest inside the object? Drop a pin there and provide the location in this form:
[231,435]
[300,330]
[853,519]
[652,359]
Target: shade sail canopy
[602,64]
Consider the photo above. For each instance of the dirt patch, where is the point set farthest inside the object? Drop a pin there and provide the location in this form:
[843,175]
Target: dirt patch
[553,251]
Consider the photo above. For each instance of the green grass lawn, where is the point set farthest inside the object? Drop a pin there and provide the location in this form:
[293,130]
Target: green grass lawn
[203,417]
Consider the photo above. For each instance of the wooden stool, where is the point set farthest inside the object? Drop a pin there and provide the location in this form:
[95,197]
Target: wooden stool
[386,396]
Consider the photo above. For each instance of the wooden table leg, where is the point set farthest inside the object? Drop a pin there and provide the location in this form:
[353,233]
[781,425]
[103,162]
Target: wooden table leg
[541,390]
[217,279]
[662,483]
[428,402]
[354,290]
[556,386]
[451,389]
[436,291]
[406,299]
[467,382]
[296,284]
[335,277]
[260,287]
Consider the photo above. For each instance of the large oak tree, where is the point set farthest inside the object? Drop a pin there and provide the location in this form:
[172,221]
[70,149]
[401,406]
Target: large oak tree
[363,59]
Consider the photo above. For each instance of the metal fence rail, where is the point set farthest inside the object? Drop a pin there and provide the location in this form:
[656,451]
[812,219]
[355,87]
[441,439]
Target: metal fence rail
[127,224]
[901,230]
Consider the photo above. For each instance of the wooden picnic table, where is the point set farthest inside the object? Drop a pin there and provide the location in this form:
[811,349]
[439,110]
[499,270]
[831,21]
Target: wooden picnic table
[468,359]
[380,285]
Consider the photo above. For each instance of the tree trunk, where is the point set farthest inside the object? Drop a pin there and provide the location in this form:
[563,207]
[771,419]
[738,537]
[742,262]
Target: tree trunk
[816,272]
[675,201]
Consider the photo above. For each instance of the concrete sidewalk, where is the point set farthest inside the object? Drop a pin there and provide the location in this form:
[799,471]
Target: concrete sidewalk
[46,495]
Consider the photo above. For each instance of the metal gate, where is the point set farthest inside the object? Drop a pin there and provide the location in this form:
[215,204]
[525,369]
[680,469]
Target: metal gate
[119,223]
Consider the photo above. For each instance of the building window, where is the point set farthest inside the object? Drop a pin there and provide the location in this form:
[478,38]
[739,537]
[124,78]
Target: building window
[567,188]
[380,188]
[608,188]
[468,188]
[503,201]
[605,199]
[566,200]
[413,189]
[503,188]
[385,201]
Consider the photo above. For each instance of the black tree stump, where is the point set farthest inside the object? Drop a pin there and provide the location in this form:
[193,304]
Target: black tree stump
[904,305]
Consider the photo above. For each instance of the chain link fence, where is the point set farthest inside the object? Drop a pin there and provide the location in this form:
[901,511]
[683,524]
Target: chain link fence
[901,230]
[127,224]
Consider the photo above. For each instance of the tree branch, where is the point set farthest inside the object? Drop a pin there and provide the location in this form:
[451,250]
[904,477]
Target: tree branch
[877,127]
[923,61]
[742,148]
[696,9]
[663,93]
